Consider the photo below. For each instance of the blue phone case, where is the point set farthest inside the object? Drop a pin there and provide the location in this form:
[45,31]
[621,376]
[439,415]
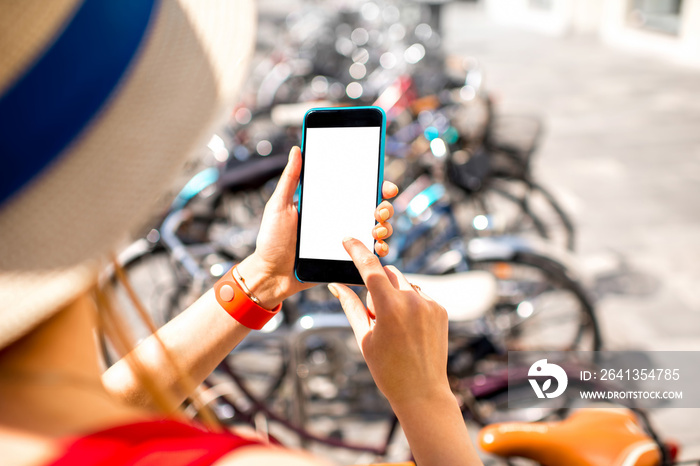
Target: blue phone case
[381,159]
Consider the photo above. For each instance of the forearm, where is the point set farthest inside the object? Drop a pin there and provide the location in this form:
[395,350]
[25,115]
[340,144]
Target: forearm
[196,341]
[436,431]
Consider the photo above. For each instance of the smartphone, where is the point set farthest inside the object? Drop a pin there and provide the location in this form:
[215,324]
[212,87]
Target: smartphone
[340,187]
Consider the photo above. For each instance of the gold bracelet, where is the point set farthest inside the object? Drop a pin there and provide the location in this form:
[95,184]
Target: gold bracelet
[241,281]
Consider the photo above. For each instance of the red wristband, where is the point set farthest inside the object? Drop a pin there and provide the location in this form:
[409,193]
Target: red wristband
[236,302]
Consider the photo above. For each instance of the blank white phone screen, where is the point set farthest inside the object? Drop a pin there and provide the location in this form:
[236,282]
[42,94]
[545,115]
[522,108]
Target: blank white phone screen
[341,171]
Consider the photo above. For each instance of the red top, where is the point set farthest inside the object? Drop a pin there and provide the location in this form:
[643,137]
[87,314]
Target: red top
[150,443]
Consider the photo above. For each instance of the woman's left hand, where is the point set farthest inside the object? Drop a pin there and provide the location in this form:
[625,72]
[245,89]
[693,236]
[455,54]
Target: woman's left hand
[269,271]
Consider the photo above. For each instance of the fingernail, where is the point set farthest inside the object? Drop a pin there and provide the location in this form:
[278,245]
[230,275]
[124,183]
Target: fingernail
[333,290]
[384,214]
[346,239]
[382,232]
[385,247]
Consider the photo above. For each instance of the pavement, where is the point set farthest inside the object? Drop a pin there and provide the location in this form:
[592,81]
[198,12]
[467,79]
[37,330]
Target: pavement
[622,153]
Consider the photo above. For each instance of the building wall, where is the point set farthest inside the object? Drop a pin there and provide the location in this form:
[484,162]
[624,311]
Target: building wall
[608,19]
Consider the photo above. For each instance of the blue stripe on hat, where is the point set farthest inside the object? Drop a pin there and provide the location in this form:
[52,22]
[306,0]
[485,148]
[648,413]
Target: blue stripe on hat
[48,106]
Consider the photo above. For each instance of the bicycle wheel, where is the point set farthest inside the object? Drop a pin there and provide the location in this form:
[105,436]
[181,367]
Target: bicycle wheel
[523,208]
[297,389]
[540,307]
[159,287]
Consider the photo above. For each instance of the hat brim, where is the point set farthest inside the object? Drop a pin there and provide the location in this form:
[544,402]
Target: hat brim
[185,78]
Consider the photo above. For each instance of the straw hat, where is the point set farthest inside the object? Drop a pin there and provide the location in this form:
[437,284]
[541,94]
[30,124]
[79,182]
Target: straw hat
[100,103]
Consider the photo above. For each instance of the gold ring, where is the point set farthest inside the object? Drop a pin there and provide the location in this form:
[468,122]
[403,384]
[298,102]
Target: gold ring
[415,287]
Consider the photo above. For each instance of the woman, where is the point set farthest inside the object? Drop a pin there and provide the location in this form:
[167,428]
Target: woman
[99,103]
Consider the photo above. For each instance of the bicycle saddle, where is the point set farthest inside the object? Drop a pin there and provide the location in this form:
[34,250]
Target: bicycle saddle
[465,295]
[251,174]
[589,437]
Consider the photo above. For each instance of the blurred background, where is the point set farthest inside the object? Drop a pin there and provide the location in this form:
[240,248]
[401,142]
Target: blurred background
[590,108]
[618,84]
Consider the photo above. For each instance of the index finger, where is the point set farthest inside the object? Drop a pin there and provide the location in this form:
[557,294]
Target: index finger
[370,268]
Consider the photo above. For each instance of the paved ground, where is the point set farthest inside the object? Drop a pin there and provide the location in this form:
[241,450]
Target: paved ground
[622,151]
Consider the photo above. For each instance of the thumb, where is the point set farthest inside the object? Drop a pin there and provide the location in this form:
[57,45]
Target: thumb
[354,309]
[287,185]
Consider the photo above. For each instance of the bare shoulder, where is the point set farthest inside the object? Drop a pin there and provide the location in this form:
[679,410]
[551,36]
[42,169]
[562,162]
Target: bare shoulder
[23,449]
[267,456]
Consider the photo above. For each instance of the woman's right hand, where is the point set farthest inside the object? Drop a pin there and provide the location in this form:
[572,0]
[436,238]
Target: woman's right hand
[402,333]
[403,336]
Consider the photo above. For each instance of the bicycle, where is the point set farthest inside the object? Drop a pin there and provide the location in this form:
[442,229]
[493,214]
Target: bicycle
[197,242]
[271,379]
[590,436]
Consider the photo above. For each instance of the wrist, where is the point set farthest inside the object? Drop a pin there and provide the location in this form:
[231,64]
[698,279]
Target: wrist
[261,282]
[439,397]
[435,429]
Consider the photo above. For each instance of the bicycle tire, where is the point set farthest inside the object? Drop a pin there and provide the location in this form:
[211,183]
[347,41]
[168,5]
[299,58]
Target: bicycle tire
[158,286]
[257,403]
[586,334]
[538,212]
